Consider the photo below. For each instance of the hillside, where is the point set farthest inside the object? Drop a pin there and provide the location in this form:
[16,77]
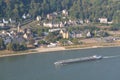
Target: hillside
[83,9]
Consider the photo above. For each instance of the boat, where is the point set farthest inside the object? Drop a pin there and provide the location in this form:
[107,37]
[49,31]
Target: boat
[68,61]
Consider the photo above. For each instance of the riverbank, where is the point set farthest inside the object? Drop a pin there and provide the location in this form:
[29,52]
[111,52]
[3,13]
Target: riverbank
[32,51]
[43,50]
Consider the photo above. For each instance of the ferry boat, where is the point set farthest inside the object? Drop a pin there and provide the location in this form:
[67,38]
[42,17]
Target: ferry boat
[94,57]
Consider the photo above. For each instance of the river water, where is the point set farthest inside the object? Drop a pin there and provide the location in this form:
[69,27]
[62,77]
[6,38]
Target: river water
[41,66]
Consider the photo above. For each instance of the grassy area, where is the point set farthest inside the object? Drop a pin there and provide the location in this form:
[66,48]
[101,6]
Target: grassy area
[92,45]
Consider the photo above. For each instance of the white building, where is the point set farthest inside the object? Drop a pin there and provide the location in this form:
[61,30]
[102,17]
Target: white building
[2,24]
[5,22]
[89,34]
[38,18]
[48,25]
[24,16]
[103,20]
[65,12]
[52,45]
[12,21]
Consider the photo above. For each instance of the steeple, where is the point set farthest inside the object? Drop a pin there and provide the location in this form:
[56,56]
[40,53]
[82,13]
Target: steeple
[18,28]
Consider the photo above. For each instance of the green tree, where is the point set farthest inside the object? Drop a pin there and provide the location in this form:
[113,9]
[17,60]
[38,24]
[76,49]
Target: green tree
[9,46]
[2,45]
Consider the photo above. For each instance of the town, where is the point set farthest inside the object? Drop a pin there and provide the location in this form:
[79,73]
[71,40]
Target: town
[56,29]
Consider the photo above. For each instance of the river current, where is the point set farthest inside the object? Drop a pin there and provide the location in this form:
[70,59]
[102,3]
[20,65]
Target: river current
[41,66]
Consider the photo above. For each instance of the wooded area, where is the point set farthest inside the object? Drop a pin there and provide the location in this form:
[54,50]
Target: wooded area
[82,9]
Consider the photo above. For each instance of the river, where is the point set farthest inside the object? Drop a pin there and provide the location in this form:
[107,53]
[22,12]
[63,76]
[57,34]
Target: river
[41,66]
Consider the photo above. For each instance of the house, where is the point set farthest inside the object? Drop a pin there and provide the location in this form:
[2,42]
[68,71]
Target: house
[56,25]
[5,22]
[38,18]
[103,20]
[4,32]
[52,45]
[28,31]
[87,21]
[110,22]
[55,13]
[65,12]
[61,24]
[54,30]
[77,34]
[24,16]
[28,34]
[50,25]
[19,29]
[81,34]
[25,36]
[51,16]
[13,32]
[81,21]
[12,21]
[65,34]
[2,24]
[28,15]
[88,34]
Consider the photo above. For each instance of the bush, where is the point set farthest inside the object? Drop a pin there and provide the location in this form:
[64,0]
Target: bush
[16,47]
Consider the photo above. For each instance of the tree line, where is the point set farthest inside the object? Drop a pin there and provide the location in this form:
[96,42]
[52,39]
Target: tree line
[12,46]
[82,9]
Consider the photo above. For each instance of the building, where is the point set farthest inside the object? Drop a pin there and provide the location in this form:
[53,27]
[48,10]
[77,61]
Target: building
[5,22]
[51,16]
[88,34]
[50,25]
[103,20]
[65,12]
[19,29]
[2,24]
[65,34]
[38,18]
[77,34]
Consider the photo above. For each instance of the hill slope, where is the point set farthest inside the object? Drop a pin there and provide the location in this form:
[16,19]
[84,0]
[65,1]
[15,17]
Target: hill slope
[84,9]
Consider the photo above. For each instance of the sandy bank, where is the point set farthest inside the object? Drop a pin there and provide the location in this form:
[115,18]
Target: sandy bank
[37,50]
[42,50]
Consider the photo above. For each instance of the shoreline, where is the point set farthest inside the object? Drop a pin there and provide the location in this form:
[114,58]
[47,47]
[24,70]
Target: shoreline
[54,49]
[37,50]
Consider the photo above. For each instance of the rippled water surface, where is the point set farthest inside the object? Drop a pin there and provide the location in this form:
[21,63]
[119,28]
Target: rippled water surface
[41,66]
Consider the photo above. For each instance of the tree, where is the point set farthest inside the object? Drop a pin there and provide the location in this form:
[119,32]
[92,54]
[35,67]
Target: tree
[31,41]
[2,45]
[84,9]
[9,46]
[16,46]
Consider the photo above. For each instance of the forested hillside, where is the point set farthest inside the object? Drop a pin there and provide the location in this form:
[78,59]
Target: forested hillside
[83,9]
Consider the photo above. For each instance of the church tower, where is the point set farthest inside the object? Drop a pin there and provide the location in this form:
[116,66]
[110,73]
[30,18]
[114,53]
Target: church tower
[19,28]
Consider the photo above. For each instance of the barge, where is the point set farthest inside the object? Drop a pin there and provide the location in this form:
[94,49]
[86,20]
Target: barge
[68,61]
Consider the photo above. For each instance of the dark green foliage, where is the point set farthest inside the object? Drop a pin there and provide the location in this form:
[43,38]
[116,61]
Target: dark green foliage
[90,28]
[76,41]
[16,47]
[83,9]
[40,30]
[42,42]
[115,27]
[53,37]
[2,45]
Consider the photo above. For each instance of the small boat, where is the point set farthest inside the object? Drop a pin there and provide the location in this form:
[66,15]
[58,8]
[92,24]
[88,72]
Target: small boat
[90,58]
